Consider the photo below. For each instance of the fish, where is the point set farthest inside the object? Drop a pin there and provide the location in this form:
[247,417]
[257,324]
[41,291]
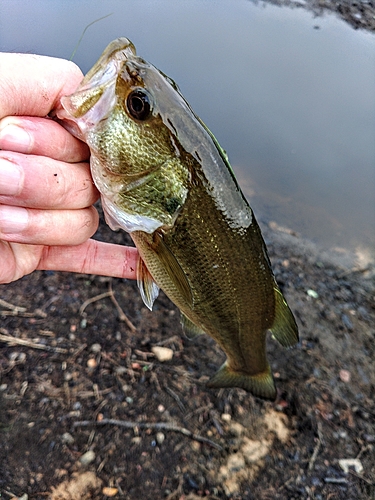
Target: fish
[165,180]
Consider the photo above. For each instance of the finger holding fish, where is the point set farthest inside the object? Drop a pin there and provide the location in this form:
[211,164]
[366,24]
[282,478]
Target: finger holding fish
[27,134]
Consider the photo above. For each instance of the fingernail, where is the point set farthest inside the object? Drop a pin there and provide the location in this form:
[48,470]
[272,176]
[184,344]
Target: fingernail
[10,178]
[15,138]
[13,220]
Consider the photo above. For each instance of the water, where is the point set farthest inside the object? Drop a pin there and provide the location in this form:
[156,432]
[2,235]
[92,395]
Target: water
[293,105]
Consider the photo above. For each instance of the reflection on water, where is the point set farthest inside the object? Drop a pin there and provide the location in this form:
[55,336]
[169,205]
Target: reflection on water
[293,105]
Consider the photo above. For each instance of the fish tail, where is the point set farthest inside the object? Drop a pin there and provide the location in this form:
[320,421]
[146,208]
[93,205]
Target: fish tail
[261,384]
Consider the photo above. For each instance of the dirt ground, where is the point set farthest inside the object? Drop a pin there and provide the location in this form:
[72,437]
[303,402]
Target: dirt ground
[89,411]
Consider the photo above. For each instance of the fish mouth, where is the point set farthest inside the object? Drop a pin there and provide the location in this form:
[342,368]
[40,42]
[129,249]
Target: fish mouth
[94,98]
[81,111]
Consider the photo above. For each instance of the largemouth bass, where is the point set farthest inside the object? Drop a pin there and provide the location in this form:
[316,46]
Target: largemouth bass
[164,179]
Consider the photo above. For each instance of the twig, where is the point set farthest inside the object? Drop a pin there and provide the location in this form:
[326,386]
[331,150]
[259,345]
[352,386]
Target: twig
[177,492]
[317,447]
[148,425]
[201,409]
[361,477]
[111,295]
[176,398]
[122,315]
[355,270]
[27,343]
[92,300]
[15,309]
[39,313]
[175,339]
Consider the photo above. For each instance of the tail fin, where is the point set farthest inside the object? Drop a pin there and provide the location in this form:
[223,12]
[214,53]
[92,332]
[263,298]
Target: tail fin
[260,385]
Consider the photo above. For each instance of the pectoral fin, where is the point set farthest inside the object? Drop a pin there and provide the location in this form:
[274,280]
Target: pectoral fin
[260,384]
[284,328]
[173,269]
[148,288]
[191,330]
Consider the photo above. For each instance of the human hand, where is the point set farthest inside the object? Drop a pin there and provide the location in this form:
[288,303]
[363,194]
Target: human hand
[46,190]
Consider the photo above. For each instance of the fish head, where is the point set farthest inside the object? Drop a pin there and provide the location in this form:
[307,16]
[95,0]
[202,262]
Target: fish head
[125,110]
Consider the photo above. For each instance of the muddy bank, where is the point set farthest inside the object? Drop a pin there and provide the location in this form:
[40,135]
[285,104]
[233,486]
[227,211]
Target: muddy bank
[88,410]
[360,14]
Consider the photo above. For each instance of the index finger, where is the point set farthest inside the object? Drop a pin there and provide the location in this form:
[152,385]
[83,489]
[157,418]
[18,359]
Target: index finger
[32,84]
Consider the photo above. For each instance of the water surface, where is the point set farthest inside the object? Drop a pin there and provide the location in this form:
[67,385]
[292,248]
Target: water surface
[289,96]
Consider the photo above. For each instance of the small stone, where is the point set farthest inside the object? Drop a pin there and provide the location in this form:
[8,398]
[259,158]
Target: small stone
[91,363]
[13,356]
[226,417]
[22,359]
[160,437]
[109,492]
[195,446]
[96,348]
[67,438]
[312,293]
[87,458]
[162,353]
[236,428]
[347,322]
[345,463]
[161,408]
[345,376]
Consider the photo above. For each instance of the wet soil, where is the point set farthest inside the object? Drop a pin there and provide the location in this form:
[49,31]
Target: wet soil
[88,411]
[360,14]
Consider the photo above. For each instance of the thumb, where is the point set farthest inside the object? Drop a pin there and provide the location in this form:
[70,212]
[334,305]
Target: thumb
[32,85]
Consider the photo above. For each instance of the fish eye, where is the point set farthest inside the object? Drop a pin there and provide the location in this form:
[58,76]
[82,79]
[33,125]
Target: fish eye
[138,104]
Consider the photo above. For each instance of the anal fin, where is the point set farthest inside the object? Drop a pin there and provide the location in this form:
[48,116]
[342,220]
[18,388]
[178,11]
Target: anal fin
[191,330]
[260,385]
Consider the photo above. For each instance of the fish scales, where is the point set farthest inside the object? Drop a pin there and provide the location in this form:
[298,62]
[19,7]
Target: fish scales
[218,287]
[164,178]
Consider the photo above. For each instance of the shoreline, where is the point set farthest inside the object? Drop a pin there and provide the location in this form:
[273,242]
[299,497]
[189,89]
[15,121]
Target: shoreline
[358,13]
